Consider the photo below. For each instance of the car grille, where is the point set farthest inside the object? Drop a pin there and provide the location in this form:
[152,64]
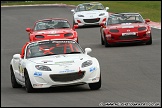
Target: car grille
[67,76]
[128,37]
[91,20]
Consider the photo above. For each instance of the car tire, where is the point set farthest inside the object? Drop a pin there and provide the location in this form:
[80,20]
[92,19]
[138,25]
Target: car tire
[28,86]
[102,41]
[95,86]
[150,41]
[73,22]
[106,43]
[13,79]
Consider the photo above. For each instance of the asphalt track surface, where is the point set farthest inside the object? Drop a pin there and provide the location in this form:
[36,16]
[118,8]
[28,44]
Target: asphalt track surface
[130,73]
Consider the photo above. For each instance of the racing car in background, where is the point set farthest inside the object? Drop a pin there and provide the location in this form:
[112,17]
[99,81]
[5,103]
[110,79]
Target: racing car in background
[125,28]
[52,28]
[92,13]
[56,62]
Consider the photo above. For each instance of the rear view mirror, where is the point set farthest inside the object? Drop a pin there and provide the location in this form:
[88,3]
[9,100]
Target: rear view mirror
[16,56]
[147,20]
[72,10]
[28,29]
[107,8]
[75,26]
[102,25]
[87,50]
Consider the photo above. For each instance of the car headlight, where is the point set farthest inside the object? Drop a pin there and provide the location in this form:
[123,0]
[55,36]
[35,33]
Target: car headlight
[42,68]
[39,36]
[101,14]
[86,63]
[114,30]
[80,15]
[142,28]
[68,34]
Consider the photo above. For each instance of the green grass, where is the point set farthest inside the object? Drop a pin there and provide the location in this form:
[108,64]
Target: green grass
[148,9]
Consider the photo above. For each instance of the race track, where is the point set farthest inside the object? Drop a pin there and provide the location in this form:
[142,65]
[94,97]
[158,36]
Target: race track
[130,73]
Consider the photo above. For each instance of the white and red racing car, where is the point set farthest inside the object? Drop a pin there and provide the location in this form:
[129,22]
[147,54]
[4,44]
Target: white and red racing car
[57,62]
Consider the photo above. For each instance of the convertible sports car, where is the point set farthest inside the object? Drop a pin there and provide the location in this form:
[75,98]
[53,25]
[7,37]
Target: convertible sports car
[52,28]
[125,28]
[56,62]
[92,13]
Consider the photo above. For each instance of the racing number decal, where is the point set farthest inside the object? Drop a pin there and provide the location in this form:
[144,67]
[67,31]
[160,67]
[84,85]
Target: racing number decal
[21,69]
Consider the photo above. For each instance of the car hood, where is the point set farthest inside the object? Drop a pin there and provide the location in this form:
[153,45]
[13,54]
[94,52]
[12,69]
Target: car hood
[53,31]
[93,12]
[127,25]
[69,59]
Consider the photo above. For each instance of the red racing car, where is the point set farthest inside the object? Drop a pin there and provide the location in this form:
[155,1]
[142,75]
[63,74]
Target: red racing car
[52,28]
[125,28]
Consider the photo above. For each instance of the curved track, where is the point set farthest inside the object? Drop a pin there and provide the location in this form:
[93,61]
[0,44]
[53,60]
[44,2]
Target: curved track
[130,73]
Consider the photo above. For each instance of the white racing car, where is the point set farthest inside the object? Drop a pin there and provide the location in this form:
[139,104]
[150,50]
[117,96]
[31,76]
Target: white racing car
[57,62]
[92,13]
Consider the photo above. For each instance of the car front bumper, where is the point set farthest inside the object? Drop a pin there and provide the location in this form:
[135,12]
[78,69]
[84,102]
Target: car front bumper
[130,40]
[90,21]
[47,79]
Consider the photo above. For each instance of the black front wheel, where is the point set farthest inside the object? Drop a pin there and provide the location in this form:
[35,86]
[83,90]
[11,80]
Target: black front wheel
[150,41]
[13,79]
[73,22]
[105,42]
[95,86]
[28,85]
[102,41]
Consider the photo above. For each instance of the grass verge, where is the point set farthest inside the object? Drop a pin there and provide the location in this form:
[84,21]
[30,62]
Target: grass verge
[148,9]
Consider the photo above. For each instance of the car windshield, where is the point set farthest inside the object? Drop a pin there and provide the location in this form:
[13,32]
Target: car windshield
[124,18]
[90,6]
[51,24]
[46,48]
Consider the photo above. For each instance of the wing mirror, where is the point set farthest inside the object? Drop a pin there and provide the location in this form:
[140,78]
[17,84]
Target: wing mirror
[28,29]
[75,26]
[87,50]
[147,20]
[102,25]
[107,8]
[73,10]
[16,56]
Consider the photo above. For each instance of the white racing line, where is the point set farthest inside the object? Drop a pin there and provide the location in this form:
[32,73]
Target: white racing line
[156,25]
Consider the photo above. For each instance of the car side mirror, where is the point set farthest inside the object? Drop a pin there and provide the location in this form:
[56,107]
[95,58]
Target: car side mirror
[147,20]
[75,26]
[102,25]
[107,8]
[16,56]
[28,29]
[87,50]
[73,10]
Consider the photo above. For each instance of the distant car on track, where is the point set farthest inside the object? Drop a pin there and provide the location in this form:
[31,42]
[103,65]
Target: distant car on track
[125,28]
[57,62]
[92,13]
[52,28]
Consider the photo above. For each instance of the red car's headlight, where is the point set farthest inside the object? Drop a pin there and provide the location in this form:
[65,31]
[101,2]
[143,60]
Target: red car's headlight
[39,36]
[68,34]
[142,28]
[114,30]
